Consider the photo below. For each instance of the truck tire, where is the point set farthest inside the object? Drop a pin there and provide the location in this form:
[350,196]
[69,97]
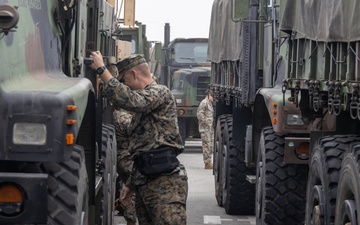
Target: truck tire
[67,188]
[348,192]
[280,188]
[71,174]
[108,156]
[217,158]
[325,164]
[238,194]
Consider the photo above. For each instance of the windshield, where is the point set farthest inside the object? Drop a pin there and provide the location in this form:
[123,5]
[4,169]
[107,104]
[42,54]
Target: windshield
[187,52]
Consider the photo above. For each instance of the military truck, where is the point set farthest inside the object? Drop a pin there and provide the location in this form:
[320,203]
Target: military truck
[57,141]
[136,36]
[286,82]
[182,66]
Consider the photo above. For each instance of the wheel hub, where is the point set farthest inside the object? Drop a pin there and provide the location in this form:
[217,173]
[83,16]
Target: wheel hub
[259,193]
[350,208]
[317,216]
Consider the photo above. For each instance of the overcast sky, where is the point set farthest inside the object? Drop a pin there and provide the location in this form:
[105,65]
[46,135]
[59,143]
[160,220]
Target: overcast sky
[187,18]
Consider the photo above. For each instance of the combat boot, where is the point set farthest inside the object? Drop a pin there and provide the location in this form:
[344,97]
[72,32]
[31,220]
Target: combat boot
[208,166]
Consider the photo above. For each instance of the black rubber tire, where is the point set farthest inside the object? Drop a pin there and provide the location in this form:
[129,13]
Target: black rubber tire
[325,165]
[217,158]
[108,156]
[238,193]
[68,175]
[280,188]
[67,188]
[348,192]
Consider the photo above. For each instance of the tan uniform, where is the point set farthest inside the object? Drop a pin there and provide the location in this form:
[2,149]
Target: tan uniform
[205,117]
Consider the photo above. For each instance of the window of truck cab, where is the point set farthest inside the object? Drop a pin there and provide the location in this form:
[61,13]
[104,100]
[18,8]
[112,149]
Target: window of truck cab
[190,52]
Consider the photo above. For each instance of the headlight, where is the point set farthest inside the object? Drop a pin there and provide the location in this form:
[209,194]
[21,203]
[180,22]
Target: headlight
[29,134]
[294,119]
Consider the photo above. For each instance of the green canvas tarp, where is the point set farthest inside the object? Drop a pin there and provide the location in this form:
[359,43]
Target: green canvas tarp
[322,20]
[225,38]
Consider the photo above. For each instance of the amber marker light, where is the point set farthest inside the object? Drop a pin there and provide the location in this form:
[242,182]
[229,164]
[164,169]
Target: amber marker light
[274,105]
[303,149]
[181,112]
[71,107]
[10,194]
[274,111]
[70,139]
[274,120]
[71,122]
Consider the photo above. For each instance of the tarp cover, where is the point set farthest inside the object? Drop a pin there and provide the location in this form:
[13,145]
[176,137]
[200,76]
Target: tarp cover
[323,20]
[225,39]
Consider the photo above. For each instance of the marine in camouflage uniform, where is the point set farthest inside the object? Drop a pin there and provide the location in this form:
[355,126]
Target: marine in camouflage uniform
[205,117]
[161,199]
[123,121]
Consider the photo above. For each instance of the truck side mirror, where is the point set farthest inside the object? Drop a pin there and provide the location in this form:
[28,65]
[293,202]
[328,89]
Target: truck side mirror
[240,10]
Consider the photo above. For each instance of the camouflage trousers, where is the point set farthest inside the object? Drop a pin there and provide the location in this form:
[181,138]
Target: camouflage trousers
[207,145]
[162,201]
[129,211]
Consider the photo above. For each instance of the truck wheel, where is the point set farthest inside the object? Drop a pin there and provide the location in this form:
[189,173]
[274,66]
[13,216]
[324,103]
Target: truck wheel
[280,187]
[67,188]
[325,165]
[108,156]
[70,179]
[217,158]
[238,194]
[348,192]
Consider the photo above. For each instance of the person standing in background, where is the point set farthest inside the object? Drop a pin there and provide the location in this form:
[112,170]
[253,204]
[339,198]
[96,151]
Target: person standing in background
[205,114]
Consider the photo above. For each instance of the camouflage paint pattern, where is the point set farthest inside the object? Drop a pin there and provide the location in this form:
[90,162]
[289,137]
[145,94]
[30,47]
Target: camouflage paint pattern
[42,73]
[190,85]
[32,83]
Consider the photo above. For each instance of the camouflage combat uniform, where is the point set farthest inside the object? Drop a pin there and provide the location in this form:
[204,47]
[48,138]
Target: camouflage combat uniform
[160,200]
[205,118]
[123,126]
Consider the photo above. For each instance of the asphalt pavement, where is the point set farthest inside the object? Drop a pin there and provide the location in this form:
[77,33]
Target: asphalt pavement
[202,207]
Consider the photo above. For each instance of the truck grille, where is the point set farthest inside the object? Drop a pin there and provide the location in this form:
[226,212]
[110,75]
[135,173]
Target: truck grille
[202,85]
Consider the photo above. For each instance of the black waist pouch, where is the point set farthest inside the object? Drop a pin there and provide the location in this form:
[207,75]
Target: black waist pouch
[157,161]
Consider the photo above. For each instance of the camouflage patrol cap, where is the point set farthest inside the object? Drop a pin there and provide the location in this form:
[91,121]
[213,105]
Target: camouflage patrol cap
[209,91]
[129,62]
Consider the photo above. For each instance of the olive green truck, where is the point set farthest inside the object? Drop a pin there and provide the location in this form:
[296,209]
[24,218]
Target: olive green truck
[286,80]
[57,141]
[181,64]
